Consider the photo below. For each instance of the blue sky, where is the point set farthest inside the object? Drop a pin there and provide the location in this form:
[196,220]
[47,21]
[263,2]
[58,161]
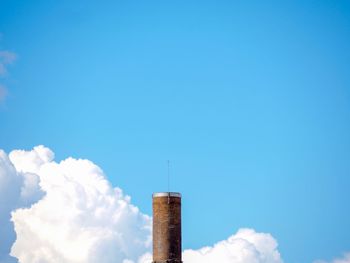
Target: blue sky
[250,100]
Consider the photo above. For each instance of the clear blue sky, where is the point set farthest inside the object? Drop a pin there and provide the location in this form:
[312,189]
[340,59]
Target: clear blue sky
[250,100]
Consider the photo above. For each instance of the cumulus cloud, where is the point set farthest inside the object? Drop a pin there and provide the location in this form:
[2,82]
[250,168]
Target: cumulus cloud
[17,189]
[81,218]
[10,187]
[68,212]
[344,259]
[243,247]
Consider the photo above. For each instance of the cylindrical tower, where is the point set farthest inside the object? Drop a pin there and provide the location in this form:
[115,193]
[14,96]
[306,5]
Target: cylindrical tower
[167,227]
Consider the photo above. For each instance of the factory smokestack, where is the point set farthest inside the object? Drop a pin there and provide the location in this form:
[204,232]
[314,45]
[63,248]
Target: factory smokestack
[167,227]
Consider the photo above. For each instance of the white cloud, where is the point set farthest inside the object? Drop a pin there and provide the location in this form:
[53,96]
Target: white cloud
[10,187]
[243,247]
[17,189]
[81,218]
[344,259]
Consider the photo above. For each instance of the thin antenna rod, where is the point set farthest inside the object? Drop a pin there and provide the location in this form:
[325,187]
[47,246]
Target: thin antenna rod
[168,176]
[168,182]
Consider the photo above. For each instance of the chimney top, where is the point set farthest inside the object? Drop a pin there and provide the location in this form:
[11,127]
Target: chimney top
[165,194]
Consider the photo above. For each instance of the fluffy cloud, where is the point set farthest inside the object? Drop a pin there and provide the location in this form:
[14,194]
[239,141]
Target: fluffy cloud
[68,212]
[344,259]
[10,187]
[243,247]
[17,189]
[81,218]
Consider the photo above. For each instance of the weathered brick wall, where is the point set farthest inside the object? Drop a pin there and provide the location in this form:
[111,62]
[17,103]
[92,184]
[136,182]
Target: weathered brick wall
[166,229]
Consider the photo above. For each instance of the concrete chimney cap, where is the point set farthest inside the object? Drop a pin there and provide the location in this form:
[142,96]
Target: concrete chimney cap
[164,194]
